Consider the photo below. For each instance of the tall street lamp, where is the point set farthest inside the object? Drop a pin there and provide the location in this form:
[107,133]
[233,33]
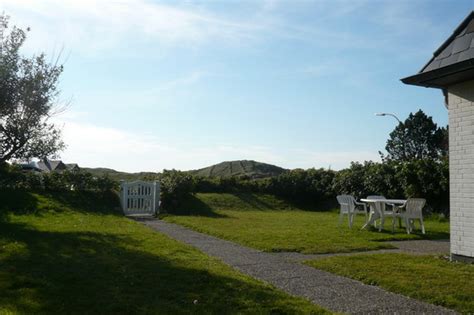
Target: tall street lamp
[404,130]
[388,114]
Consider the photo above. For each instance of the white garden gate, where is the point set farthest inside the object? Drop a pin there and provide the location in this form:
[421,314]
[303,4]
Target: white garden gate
[140,198]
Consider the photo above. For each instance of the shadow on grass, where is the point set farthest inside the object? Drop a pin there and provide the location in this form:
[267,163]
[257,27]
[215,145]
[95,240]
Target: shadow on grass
[25,202]
[258,203]
[400,235]
[17,201]
[193,206]
[88,201]
[255,202]
[95,273]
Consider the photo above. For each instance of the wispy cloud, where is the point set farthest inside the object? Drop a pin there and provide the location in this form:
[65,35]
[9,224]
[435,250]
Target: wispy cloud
[94,25]
[90,25]
[188,79]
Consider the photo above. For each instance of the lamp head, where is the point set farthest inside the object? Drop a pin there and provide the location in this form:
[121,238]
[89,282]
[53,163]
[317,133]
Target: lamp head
[380,114]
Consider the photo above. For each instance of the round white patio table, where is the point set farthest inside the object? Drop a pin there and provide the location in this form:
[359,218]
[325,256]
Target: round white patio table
[379,213]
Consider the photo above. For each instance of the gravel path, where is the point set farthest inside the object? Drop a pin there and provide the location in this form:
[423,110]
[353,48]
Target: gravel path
[333,292]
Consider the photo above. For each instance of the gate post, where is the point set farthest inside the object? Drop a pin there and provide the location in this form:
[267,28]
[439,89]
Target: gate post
[123,196]
[156,197]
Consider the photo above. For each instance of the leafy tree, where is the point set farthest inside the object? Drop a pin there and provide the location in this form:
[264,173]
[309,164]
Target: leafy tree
[28,90]
[418,137]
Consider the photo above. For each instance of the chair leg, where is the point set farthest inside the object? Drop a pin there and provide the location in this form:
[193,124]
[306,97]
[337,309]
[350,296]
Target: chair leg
[393,224]
[382,221]
[422,226]
[341,216]
[351,218]
[407,225]
[399,222]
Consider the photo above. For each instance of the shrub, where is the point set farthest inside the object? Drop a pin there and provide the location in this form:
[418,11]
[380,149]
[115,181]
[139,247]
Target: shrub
[175,186]
[427,179]
[303,185]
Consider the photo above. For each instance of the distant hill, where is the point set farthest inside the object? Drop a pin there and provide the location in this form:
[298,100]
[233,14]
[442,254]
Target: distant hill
[117,175]
[251,169]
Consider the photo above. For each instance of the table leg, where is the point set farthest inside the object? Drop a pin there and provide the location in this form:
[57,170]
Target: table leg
[372,217]
[369,221]
[378,207]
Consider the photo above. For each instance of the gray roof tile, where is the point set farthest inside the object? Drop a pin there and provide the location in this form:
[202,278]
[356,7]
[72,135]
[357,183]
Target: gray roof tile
[470,27]
[446,52]
[449,60]
[433,65]
[467,54]
[459,47]
[462,43]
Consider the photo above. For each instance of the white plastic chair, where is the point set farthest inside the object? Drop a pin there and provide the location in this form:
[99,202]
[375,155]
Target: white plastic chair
[349,206]
[413,211]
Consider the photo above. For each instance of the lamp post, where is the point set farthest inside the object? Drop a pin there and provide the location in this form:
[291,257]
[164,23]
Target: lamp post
[389,114]
[404,130]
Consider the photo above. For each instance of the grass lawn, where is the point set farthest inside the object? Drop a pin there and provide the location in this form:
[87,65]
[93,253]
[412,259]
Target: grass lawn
[270,224]
[428,278]
[71,254]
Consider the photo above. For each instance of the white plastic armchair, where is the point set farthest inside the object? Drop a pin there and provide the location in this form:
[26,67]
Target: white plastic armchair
[413,211]
[349,206]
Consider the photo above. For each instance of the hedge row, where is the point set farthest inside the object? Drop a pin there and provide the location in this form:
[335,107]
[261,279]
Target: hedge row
[418,178]
[12,177]
[427,179]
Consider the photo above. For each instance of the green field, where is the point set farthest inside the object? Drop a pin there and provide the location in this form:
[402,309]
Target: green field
[71,253]
[271,224]
[432,279]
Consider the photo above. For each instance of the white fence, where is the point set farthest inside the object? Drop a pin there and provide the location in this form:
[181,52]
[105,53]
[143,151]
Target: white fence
[139,198]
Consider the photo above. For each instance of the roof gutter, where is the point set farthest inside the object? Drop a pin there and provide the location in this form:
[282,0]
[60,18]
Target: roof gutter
[432,78]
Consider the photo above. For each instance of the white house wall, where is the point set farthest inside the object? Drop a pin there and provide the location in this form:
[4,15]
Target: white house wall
[461,168]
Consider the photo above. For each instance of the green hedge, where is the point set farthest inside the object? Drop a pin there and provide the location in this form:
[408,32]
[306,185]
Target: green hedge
[427,179]
[13,177]
[418,178]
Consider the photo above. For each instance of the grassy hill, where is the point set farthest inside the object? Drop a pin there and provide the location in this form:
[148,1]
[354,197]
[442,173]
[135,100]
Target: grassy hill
[117,175]
[248,168]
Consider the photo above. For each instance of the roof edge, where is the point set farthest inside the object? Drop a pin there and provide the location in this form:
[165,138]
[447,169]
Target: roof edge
[428,79]
[445,44]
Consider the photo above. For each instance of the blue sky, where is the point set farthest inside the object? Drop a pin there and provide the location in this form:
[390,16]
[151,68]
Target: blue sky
[153,85]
